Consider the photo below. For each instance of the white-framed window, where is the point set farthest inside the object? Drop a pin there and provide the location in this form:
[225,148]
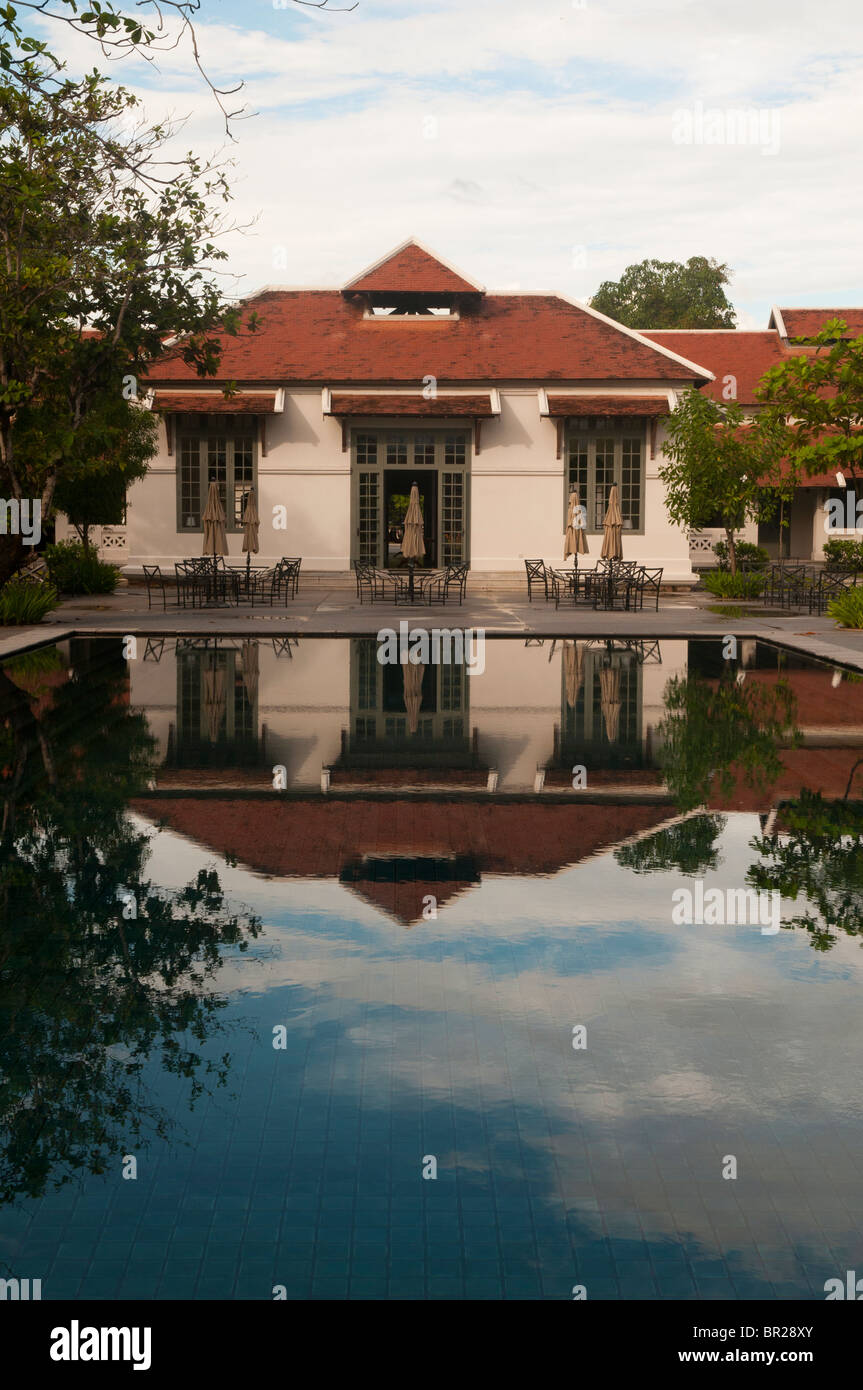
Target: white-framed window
[601,452]
[220,449]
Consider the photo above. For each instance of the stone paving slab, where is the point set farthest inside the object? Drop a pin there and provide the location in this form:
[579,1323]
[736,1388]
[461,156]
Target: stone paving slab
[336,612]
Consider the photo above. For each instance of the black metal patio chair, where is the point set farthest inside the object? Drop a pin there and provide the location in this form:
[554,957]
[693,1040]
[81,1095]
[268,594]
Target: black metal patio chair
[155,580]
[537,574]
[648,581]
[454,577]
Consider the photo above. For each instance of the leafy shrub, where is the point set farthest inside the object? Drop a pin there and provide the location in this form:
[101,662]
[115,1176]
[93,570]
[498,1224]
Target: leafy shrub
[847,608]
[23,602]
[74,572]
[846,556]
[749,556]
[726,585]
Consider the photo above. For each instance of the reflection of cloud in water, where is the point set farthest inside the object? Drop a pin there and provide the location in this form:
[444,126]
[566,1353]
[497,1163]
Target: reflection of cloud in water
[701,1042]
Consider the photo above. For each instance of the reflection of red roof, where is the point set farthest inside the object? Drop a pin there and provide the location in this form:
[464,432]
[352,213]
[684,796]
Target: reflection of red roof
[819,703]
[820,769]
[317,837]
[410,269]
[727,352]
[405,901]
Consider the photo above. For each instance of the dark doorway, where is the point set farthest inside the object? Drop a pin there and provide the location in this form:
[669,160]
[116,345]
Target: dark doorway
[397,489]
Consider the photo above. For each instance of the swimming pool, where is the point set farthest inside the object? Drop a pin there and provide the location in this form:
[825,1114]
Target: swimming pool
[316,984]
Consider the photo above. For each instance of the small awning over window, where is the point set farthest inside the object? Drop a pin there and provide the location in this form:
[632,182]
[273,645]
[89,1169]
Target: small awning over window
[214,403]
[477,407]
[566,406]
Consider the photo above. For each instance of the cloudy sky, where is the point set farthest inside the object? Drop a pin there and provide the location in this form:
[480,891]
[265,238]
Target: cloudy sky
[536,144]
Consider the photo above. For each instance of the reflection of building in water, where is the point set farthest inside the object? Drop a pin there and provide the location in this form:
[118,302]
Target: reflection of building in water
[217,695]
[326,708]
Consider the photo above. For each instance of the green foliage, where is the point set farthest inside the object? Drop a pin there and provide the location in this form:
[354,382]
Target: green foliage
[102,973]
[25,601]
[74,572]
[112,447]
[817,858]
[847,609]
[715,732]
[753,557]
[822,393]
[688,848]
[102,231]
[725,585]
[718,462]
[846,555]
[668,294]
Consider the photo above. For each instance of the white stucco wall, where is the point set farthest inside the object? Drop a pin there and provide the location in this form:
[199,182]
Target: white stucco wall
[516,500]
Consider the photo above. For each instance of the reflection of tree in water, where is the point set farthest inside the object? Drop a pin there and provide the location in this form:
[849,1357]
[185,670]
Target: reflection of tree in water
[716,734]
[817,856]
[92,985]
[689,847]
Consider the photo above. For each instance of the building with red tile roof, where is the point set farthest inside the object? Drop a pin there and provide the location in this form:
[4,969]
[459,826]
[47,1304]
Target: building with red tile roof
[496,405]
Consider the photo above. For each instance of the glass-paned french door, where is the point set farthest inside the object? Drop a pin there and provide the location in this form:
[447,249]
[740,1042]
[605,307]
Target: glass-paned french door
[217,449]
[378,456]
[595,462]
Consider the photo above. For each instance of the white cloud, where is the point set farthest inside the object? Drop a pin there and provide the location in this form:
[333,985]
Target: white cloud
[553,130]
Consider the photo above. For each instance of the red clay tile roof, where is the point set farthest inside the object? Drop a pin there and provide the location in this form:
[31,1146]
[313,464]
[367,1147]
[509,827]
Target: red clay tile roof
[805,323]
[733,352]
[608,405]
[411,405]
[410,269]
[213,402]
[317,336]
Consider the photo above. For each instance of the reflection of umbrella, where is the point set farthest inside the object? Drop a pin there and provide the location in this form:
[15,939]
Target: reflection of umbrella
[576,540]
[215,540]
[214,698]
[573,670]
[413,679]
[609,689]
[612,545]
[413,544]
[251,523]
[250,671]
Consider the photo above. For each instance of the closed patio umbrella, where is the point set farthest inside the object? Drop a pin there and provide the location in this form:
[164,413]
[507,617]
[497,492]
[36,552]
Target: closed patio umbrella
[609,689]
[215,539]
[573,670]
[413,543]
[251,671]
[576,540]
[612,545]
[413,689]
[251,526]
[214,697]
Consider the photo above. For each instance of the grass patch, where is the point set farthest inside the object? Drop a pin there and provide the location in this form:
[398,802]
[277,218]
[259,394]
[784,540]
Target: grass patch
[847,609]
[23,602]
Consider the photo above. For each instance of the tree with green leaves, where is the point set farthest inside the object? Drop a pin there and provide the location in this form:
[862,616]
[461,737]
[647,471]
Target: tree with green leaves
[816,858]
[668,294]
[102,972]
[688,847]
[715,733]
[110,249]
[820,393]
[719,463]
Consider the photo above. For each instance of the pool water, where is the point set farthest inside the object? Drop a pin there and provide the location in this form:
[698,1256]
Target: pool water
[318,984]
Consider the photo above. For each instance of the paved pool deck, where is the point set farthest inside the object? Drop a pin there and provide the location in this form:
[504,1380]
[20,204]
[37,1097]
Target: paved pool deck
[324,609]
